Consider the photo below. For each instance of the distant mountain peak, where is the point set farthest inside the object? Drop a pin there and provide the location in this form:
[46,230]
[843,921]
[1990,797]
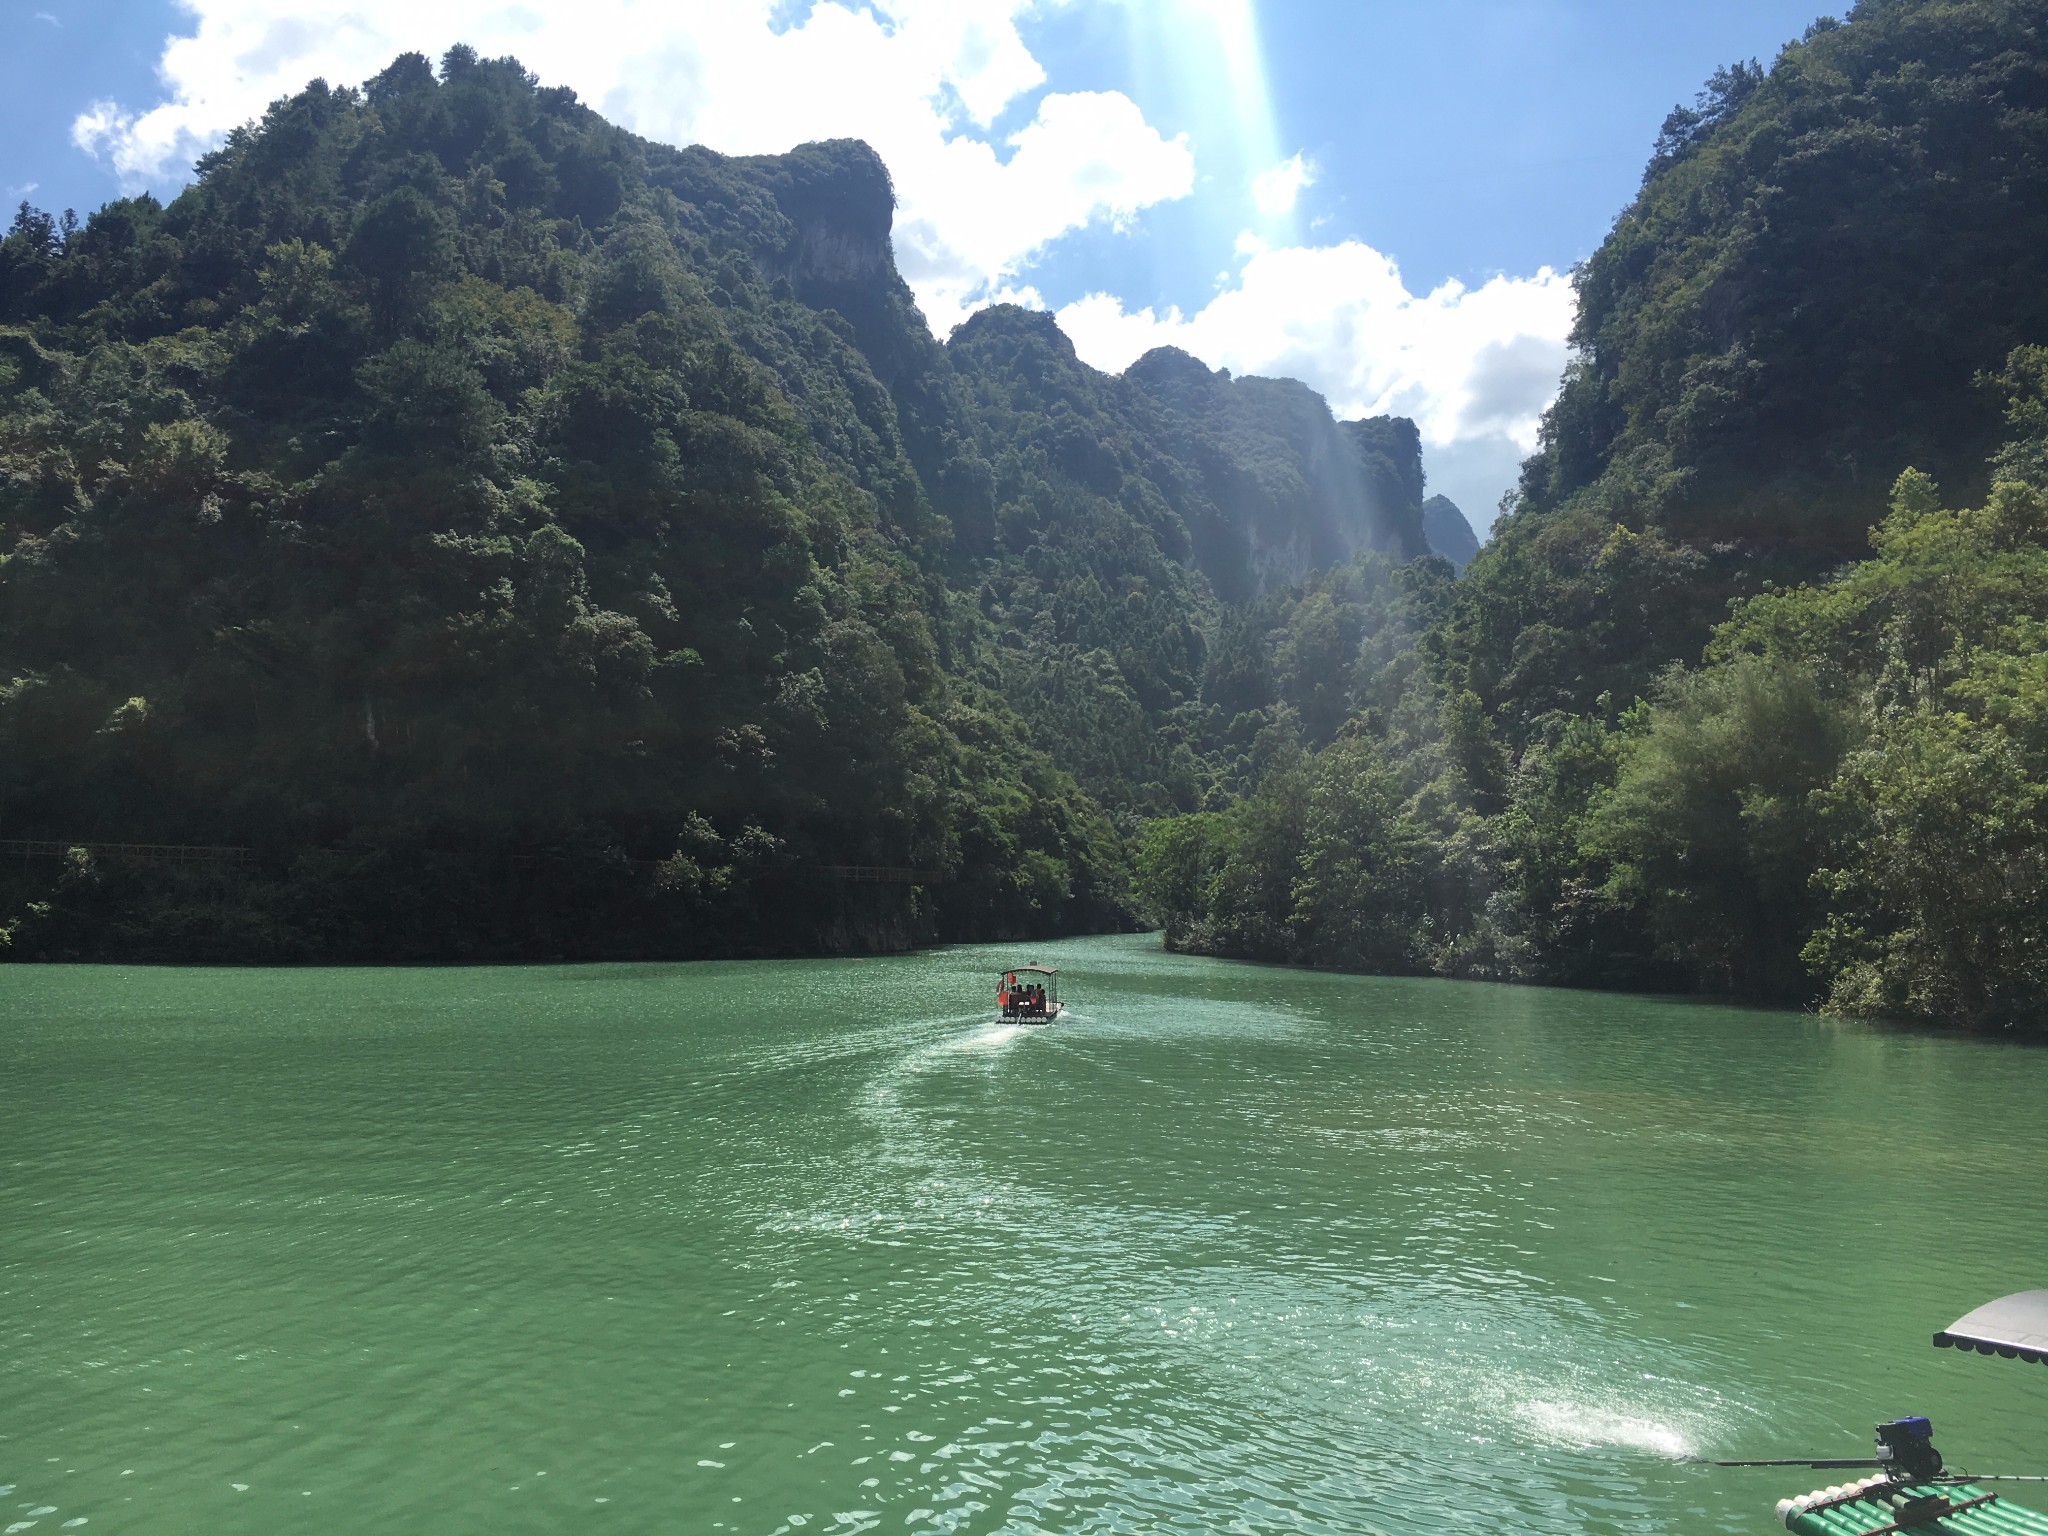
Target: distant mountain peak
[1449,532]
[1171,371]
[1014,321]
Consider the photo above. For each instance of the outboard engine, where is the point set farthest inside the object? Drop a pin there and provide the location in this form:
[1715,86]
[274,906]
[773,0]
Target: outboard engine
[1905,1449]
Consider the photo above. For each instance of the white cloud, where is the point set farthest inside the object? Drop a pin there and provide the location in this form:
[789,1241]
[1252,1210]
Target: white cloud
[1275,191]
[1084,156]
[1475,367]
[918,79]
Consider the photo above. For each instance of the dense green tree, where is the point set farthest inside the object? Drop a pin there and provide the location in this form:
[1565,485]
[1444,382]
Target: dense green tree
[1937,822]
[532,539]
[1361,866]
[1707,711]
[1709,829]
[1822,260]
[472,547]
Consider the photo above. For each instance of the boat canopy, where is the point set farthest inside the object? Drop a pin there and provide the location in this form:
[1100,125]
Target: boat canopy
[2014,1326]
[1017,984]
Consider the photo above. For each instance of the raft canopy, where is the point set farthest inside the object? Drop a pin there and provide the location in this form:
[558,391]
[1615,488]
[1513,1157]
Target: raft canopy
[2014,1326]
[1011,979]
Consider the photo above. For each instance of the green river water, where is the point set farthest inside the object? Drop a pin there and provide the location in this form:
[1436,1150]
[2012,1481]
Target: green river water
[768,1247]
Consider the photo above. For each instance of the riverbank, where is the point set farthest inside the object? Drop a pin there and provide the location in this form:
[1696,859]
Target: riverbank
[383,907]
[1673,989]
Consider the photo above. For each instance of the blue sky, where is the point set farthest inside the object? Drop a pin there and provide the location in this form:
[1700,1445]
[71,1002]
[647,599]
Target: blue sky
[1380,198]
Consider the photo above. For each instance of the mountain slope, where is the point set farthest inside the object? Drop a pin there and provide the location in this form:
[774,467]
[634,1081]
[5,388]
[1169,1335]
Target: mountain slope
[1823,260]
[1449,534]
[530,539]
[1745,693]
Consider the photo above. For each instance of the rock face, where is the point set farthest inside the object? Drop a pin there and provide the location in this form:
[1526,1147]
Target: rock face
[1250,480]
[1288,490]
[1391,449]
[841,204]
[1448,532]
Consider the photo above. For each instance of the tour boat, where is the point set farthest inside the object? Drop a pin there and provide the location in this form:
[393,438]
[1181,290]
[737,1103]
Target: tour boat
[1014,982]
[1911,1490]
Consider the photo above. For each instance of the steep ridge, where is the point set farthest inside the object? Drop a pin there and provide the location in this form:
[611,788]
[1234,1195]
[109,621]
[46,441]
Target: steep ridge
[1448,532]
[1823,262]
[522,538]
[1744,693]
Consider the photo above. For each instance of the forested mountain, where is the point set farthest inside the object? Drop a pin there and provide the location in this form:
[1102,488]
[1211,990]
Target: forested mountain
[523,538]
[1448,533]
[1746,690]
[1824,261]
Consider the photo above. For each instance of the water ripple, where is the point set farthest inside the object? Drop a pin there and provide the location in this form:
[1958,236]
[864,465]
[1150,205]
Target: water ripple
[824,1248]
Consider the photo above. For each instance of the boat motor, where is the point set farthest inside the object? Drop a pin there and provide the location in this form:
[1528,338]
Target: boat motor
[1905,1451]
[1907,1447]
[2015,1327]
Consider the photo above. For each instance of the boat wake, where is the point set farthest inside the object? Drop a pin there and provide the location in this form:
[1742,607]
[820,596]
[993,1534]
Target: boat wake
[990,1037]
[1585,1426]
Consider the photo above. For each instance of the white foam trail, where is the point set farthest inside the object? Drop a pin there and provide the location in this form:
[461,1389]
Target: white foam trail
[1583,1425]
[992,1038]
